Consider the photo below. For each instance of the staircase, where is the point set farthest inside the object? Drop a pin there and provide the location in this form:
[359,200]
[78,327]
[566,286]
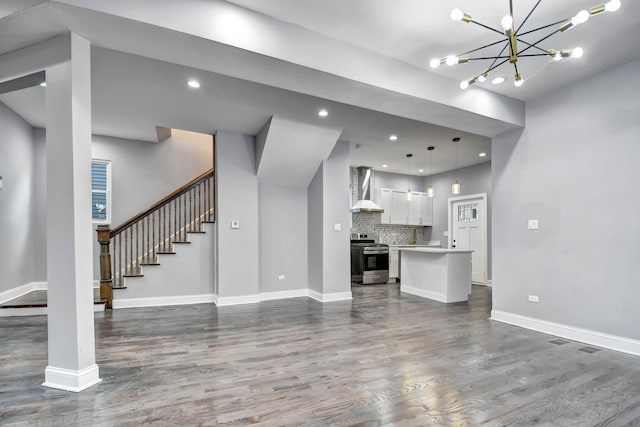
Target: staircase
[157,231]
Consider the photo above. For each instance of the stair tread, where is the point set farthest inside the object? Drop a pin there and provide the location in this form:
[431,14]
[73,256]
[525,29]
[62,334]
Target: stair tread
[195,232]
[166,253]
[182,243]
[149,263]
[208,222]
[133,275]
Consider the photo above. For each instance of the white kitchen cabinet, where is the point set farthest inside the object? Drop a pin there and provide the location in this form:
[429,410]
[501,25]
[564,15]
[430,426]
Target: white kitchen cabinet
[420,212]
[400,211]
[393,263]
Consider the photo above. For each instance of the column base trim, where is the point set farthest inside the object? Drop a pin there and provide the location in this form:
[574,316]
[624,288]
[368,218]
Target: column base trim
[69,380]
[331,297]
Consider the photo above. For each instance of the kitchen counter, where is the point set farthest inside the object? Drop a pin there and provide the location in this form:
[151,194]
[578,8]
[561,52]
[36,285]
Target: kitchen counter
[439,274]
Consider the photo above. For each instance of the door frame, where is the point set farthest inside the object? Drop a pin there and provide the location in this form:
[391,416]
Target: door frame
[482,198]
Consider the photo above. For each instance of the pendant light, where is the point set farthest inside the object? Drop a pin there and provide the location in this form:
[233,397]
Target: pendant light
[430,190]
[409,195]
[455,187]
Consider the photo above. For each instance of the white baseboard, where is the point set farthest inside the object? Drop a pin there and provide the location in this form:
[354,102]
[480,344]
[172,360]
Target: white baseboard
[19,291]
[162,301]
[335,296]
[436,296]
[296,293]
[243,299]
[612,342]
[68,380]
[23,311]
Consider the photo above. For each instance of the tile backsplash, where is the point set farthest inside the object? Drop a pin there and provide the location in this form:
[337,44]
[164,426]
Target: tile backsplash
[367,223]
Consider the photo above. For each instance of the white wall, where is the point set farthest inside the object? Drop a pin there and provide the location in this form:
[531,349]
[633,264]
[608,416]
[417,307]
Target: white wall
[237,190]
[283,237]
[17,201]
[40,214]
[575,169]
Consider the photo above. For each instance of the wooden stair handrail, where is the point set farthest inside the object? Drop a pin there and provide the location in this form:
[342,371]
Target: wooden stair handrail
[175,194]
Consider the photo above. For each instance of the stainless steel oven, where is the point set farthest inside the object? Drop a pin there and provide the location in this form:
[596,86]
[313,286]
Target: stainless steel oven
[369,262]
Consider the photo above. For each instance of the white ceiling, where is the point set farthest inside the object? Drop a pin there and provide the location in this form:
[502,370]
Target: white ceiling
[133,94]
[415,31]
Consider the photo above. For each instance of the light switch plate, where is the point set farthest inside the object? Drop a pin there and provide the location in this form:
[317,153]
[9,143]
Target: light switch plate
[235,224]
[532,224]
[337,227]
[445,233]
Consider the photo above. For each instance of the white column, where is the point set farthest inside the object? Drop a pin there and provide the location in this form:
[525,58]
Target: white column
[71,364]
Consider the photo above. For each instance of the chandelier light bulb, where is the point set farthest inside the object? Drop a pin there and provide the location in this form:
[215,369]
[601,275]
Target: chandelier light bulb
[580,18]
[483,77]
[457,15]
[577,52]
[435,63]
[507,23]
[612,5]
[464,84]
[452,60]
[518,81]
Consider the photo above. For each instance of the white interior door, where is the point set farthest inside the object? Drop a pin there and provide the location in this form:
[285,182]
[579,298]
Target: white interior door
[468,230]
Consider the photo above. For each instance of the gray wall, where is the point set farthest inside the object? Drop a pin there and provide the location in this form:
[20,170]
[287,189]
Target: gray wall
[40,223]
[315,232]
[283,237]
[337,255]
[575,169]
[145,172]
[237,188]
[473,180]
[17,201]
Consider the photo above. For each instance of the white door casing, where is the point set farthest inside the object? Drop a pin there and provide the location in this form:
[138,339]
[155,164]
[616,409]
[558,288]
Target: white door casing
[467,218]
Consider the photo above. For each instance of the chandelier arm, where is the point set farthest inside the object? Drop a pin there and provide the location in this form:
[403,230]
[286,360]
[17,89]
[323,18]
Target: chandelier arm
[515,66]
[542,28]
[533,54]
[528,15]
[501,52]
[511,8]
[539,41]
[484,58]
[493,67]
[487,27]
[532,45]
[482,47]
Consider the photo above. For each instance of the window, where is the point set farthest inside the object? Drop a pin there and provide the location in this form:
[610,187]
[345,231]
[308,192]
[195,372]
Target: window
[101,191]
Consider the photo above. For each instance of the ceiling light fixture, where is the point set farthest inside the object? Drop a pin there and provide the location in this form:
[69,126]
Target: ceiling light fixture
[455,187]
[482,155]
[511,36]
[323,113]
[43,84]
[430,190]
[409,194]
[497,81]
[385,166]
[393,137]
[194,84]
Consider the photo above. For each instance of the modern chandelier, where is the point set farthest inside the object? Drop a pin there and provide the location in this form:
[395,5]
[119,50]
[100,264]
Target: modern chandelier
[512,37]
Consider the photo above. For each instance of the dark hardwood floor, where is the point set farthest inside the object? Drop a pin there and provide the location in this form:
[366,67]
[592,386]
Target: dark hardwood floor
[384,358]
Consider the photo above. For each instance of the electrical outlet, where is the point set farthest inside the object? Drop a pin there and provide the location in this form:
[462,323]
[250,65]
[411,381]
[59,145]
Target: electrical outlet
[534,298]
[281,277]
[532,224]
[337,227]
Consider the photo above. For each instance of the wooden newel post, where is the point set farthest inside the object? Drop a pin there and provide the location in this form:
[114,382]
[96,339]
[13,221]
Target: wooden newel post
[106,288]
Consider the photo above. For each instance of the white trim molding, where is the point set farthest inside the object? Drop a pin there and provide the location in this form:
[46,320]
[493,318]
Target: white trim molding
[436,296]
[242,299]
[69,380]
[335,296]
[600,339]
[162,301]
[19,291]
[295,293]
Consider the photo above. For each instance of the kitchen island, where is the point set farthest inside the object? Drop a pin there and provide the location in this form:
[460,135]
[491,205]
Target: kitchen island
[439,274]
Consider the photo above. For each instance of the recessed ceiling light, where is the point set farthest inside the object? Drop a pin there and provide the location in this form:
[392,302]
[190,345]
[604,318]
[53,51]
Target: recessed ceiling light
[323,113]
[194,84]
[393,137]
[420,170]
[43,84]
[385,166]
[497,80]
[482,154]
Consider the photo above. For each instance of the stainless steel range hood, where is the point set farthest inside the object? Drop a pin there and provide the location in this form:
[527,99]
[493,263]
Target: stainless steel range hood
[364,203]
